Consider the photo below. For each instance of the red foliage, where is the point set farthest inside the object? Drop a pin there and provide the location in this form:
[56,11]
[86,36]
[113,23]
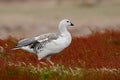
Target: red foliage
[95,51]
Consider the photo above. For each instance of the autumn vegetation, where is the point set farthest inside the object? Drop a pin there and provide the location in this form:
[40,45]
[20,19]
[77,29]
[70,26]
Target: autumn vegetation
[94,57]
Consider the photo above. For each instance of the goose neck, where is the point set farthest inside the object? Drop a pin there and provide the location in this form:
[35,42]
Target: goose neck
[63,29]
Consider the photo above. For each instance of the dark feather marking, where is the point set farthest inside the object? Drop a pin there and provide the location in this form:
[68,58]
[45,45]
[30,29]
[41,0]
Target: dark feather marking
[40,45]
[34,44]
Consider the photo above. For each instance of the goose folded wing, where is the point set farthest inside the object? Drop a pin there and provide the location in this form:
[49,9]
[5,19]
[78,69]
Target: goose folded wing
[45,37]
[25,42]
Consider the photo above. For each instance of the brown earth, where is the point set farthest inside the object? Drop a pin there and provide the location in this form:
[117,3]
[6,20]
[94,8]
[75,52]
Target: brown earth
[25,19]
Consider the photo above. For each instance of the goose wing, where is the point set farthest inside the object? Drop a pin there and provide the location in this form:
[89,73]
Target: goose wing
[38,39]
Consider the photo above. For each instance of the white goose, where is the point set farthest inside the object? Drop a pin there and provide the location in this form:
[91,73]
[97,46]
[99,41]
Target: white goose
[47,44]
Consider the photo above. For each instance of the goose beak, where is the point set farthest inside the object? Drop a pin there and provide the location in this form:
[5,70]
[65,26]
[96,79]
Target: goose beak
[72,24]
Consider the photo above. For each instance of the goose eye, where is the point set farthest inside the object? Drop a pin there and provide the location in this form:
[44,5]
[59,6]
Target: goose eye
[67,21]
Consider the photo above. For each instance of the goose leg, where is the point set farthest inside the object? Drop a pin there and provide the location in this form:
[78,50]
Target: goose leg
[48,59]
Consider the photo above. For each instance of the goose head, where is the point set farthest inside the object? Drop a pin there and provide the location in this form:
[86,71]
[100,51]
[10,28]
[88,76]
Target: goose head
[66,23]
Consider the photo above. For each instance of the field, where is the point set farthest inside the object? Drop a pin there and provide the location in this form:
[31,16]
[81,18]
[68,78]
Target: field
[94,53]
[94,57]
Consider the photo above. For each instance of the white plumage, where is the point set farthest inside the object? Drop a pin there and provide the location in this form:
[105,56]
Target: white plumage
[48,44]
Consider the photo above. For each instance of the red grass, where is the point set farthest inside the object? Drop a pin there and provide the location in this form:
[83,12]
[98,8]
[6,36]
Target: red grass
[95,51]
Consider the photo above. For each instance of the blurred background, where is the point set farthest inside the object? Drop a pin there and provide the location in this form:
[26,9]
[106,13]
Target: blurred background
[25,18]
